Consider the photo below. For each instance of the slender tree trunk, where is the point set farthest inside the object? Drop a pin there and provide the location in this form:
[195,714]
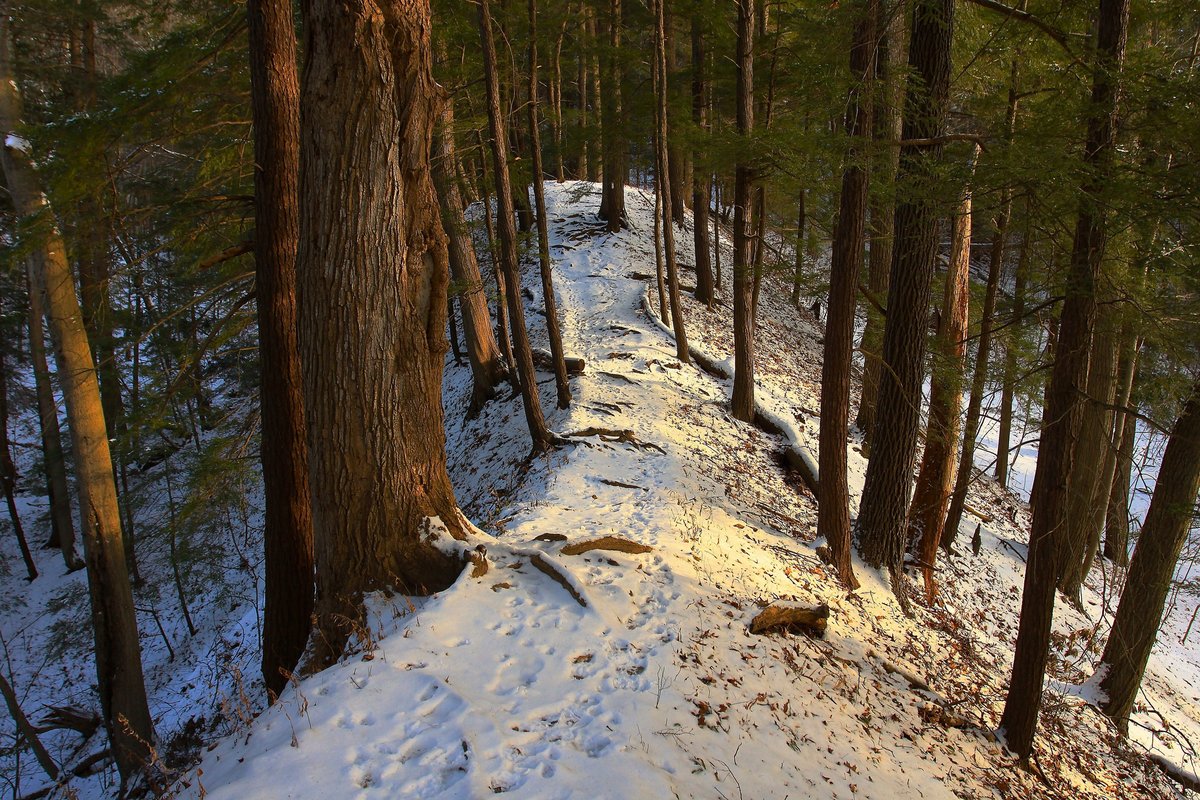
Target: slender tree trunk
[538,432]
[1011,347]
[659,215]
[502,335]
[716,251]
[983,353]
[287,529]
[1064,395]
[927,513]
[8,475]
[742,405]
[890,67]
[701,177]
[1164,532]
[562,387]
[894,443]
[118,653]
[487,369]
[667,183]
[27,731]
[798,274]
[62,526]
[612,204]
[676,160]
[583,40]
[1116,524]
[556,103]
[833,497]
[373,278]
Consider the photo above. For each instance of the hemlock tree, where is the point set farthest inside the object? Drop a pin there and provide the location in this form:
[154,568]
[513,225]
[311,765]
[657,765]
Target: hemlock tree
[372,279]
[118,652]
[287,523]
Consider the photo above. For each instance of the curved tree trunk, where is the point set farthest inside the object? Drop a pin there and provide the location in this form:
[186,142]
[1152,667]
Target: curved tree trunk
[118,653]
[894,443]
[373,280]
[833,500]
[1164,532]
[487,369]
[287,531]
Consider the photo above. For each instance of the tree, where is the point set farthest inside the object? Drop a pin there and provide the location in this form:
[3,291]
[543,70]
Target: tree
[372,279]
[893,451]
[833,502]
[118,652]
[1065,390]
[614,166]
[562,387]
[8,474]
[701,177]
[1167,525]
[287,521]
[742,405]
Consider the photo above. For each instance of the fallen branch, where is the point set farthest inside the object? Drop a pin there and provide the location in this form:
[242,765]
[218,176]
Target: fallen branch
[623,485]
[545,360]
[612,435]
[1185,778]
[614,543]
[784,616]
[26,729]
[618,376]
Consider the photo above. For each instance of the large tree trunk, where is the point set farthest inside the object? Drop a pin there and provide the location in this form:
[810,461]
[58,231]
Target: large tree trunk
[890,61]
[667,184]
[894,443]
[701,177]
[983,353]
[1065,391]
[118,652]
[287,528]
[742,405]
[1164,532]
[927,513]
[373,279]
[538,432]
[487,368]
[833,497]
[61,525]
[562,387]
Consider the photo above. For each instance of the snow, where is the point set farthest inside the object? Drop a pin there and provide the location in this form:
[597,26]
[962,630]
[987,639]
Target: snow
[639,677]
[14,142]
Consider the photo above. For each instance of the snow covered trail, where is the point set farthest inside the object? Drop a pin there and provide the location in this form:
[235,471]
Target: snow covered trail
[651,686]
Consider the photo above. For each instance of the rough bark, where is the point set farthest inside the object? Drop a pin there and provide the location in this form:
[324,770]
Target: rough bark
[118,652]
[522,354]
[931,496]
[561,385]
[287,521]
[1065,391]
[742,406]
[372,278]
[487,368]
[833,499]
[1163,534]
[614,171]
[61,524]
[890,471]
[502,335]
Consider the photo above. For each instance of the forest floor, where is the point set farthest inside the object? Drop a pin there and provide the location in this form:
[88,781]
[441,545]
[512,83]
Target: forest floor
[626,675]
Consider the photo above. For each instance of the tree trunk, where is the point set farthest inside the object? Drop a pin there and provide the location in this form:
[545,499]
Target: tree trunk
[927,513]
[798,274]
[556,103]
[1065,391]
[676,159]
[538,432]
[701,177]
[1164,532]
[1011,347]
[61,524]
[487,369]
[890,68]
[373,278]
[502,335]
[667,183]
[287,528]
[118,652]
[612,204]
[983,353]
[8,475]
[833,496]
[562,387]
[742,405]
[894,443]
[1116,523]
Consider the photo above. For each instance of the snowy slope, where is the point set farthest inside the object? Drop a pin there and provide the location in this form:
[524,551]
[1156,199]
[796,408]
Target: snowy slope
[652,686]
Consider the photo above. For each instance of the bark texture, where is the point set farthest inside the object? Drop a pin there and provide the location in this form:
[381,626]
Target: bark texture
[287,531]
[373,278]
[742,405]
[701,177]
